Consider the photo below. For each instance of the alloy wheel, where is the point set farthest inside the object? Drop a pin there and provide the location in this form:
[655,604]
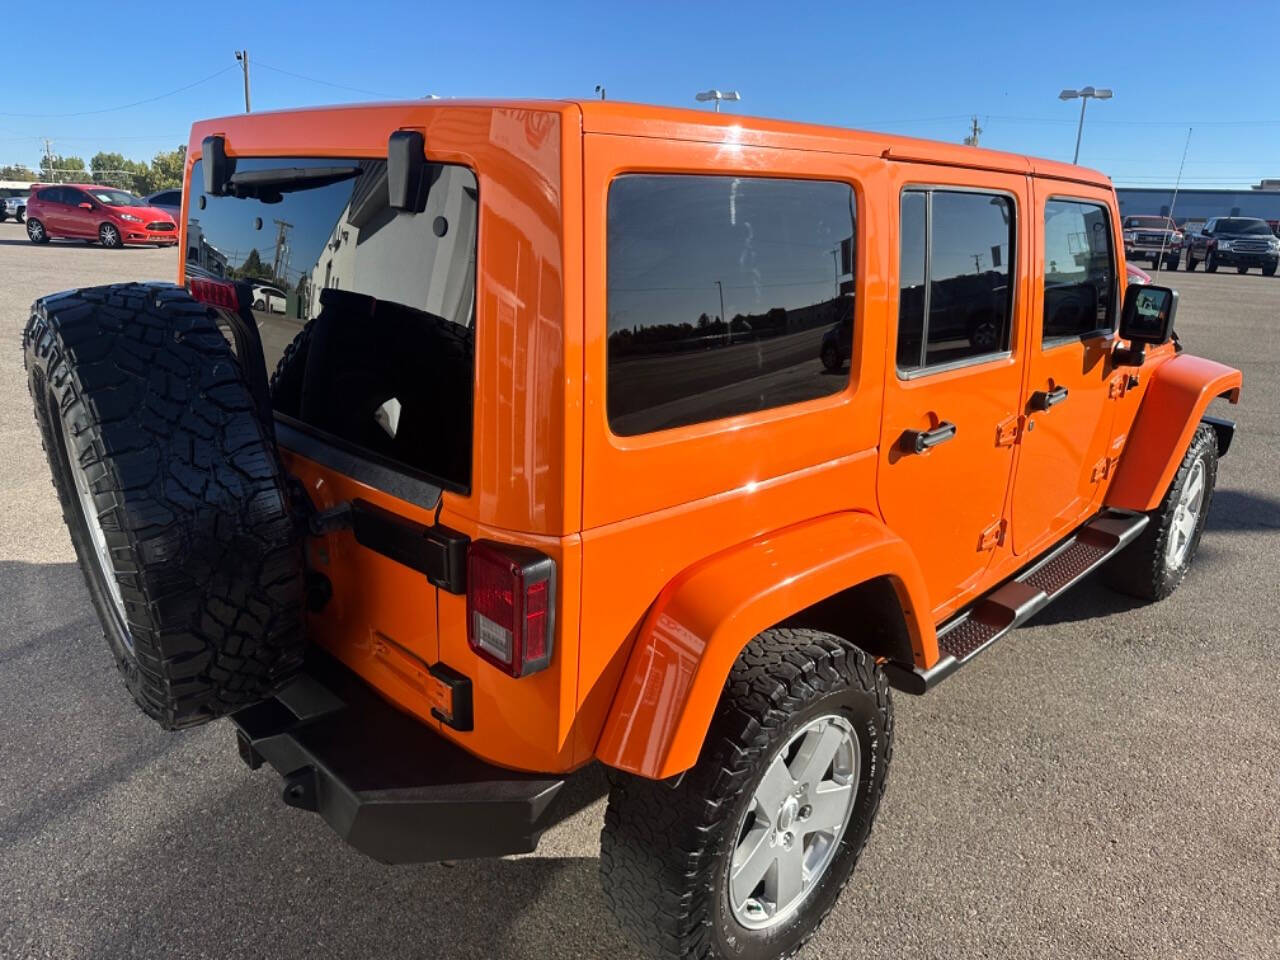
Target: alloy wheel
[793,826]
[1186,517]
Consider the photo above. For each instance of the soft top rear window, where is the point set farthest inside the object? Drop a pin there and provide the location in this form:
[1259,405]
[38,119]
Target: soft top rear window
[379,304]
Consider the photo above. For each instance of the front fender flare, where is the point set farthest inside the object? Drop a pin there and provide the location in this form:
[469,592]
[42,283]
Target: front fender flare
[1179,393]
[704,617]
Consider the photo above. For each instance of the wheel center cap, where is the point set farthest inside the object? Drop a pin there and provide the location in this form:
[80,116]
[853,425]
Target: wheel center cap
[787,815]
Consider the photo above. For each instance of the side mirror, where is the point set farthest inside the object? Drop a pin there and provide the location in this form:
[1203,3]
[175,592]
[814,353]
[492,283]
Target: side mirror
[217,166]
[86,205]
[1147,318]
[407,171]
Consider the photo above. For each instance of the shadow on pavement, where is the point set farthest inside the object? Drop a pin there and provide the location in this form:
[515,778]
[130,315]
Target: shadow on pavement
[1236,511]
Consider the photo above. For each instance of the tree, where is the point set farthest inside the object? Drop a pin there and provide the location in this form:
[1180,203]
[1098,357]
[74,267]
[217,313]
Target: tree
[253,268]
[167,168]
[18,172]
[56,169]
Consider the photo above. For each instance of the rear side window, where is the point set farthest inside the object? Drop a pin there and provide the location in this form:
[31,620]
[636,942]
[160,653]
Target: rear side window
[726,295]
[1079,270]
[957,306]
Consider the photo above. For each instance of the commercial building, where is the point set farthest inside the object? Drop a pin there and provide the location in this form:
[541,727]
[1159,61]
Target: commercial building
[1262,201]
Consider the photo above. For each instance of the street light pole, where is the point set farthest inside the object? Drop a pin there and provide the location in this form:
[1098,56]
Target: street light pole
[1085,94]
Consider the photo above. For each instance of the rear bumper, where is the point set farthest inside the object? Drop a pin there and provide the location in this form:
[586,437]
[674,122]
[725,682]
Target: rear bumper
[384,781]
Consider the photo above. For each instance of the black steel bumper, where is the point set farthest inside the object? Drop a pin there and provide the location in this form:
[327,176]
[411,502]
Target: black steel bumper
[386,782]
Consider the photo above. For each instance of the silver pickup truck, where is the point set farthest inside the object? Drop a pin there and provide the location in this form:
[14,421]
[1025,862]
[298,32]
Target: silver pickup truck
[14,207]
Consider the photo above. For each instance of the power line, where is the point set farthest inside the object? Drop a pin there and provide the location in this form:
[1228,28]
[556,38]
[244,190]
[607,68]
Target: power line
[123,106]
[327,83]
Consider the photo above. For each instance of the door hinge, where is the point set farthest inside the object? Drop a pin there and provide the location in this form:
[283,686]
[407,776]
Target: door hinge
[1008,431]
[1102,469]
[993,536]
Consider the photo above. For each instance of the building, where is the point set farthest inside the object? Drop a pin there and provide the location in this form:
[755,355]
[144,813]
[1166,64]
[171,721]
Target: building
[1261,201]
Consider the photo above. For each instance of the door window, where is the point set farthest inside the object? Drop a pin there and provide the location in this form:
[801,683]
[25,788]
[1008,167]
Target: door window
[1079,270]
[958,308]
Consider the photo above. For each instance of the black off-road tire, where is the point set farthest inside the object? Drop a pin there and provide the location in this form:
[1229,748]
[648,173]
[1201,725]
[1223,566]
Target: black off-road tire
[665,848]
[286,381]
[138,386]
[1142,569]
[832,362]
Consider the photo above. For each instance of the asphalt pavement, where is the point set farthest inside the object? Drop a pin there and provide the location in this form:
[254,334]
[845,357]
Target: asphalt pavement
[1103,784]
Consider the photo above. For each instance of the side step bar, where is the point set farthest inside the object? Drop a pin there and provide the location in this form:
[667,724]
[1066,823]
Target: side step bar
[1017,600]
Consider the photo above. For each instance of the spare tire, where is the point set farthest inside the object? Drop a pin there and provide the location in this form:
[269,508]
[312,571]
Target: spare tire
[174,496]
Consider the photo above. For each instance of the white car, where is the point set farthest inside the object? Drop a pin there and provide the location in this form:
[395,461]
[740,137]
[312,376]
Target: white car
[269,299]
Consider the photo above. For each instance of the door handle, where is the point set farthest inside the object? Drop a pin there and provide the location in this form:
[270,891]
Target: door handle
[1044,399]
[918,441]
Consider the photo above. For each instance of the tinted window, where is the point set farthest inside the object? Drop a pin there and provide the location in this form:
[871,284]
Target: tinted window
[726,295]
[966,290]
[1244,226]
[1079,269]
[393,375]
[911,278]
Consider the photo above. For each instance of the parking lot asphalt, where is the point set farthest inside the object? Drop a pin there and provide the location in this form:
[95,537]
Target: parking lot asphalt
[1104,783]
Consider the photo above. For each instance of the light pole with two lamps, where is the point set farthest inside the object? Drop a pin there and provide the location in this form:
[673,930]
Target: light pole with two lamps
[717,96]
[1085,94]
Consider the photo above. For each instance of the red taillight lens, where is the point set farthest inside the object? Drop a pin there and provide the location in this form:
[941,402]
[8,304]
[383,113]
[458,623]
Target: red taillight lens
[216,293]
[510,606]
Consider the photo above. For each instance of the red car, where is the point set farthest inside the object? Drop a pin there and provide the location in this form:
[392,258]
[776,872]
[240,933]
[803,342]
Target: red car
[87,211]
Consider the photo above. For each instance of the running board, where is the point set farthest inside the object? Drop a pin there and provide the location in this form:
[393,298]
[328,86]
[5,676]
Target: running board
[1017,600]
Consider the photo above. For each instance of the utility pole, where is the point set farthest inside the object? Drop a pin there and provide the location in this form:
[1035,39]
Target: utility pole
[280,260]
[48,153]
[972,139]
[243,57]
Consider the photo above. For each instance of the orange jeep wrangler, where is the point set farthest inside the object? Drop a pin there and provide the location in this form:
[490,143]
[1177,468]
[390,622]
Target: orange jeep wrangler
[605,433]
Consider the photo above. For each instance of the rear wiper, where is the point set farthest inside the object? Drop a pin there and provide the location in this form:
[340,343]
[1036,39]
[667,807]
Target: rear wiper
[268,184]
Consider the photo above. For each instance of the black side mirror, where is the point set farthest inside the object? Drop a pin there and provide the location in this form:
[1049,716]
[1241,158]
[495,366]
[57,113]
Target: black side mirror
[217,166]
[407,171]
[1147,318]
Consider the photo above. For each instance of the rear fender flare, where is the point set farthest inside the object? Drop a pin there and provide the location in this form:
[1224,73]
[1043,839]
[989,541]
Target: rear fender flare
[1174,403]
[704,617]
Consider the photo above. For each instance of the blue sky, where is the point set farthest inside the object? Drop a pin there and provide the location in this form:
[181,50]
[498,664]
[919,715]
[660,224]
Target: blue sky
[913,68]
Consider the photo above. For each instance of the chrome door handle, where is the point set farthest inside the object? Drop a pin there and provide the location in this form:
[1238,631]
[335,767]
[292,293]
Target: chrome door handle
[1044,399]
[918,441]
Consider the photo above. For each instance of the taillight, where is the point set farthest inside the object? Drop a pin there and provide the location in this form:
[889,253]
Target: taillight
[216,293]
[510,606]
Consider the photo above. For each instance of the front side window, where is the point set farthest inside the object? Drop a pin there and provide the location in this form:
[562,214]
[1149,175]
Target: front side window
[1079,270]
[955,277]
[725,295]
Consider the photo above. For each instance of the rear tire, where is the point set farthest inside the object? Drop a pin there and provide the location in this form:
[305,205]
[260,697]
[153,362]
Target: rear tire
[1154,564]
[36,232]
[831,358]
[668,851]
[173,495]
